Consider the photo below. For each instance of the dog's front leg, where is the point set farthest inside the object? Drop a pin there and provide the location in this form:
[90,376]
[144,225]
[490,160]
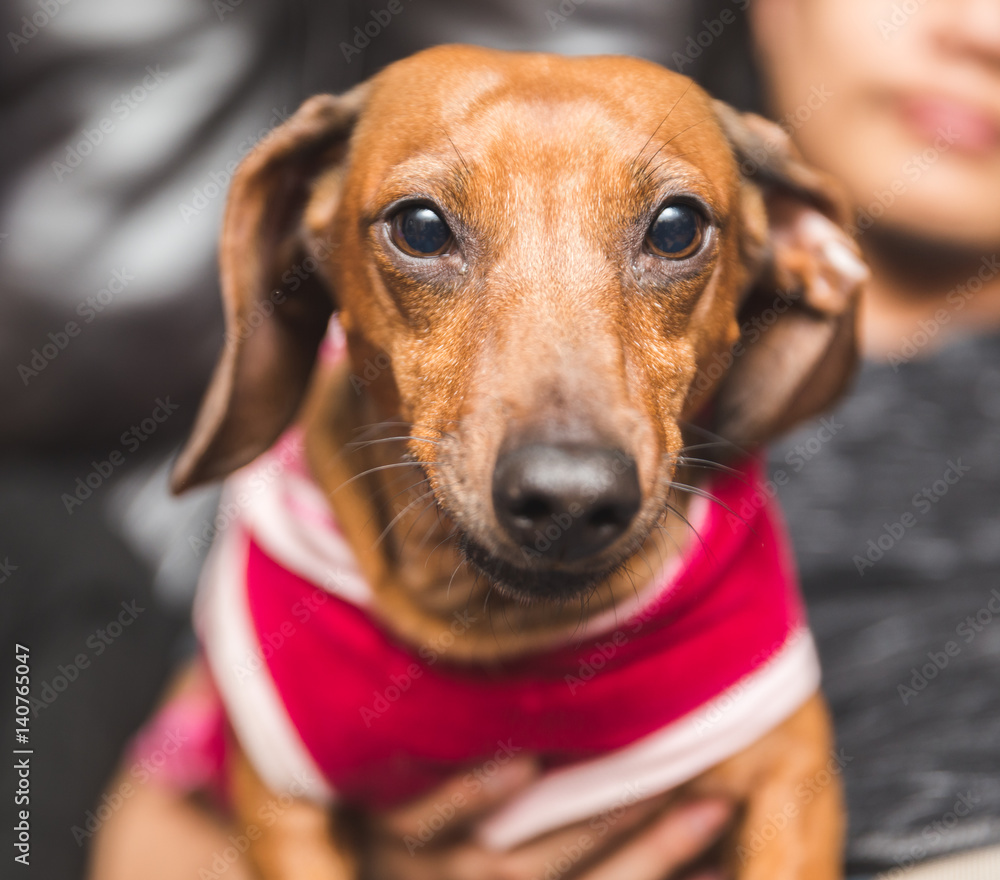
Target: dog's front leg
[793,825]
[287,841]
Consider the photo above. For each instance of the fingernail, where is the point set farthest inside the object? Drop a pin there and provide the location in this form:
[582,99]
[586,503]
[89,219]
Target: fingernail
[707,816]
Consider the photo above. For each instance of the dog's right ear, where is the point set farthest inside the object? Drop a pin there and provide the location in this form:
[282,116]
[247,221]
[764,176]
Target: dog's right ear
[273,332]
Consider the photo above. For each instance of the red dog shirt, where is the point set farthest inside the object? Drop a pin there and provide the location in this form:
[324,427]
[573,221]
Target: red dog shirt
[705,660]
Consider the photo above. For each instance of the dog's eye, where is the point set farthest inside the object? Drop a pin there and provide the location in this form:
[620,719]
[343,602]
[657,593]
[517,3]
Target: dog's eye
[420,232]
[677,232]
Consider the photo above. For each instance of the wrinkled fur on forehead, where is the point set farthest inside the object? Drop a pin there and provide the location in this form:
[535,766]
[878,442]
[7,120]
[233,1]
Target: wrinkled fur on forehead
[498,96]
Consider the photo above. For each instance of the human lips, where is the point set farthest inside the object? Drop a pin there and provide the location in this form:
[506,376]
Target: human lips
[966,128]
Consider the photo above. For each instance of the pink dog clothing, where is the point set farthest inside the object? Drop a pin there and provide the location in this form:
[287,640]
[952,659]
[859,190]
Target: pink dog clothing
[328,705]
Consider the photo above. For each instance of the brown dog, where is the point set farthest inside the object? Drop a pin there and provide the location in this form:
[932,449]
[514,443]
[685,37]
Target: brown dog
[550,263]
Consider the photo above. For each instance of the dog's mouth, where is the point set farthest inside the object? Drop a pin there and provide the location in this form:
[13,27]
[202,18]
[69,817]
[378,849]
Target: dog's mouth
[534,583]
[560,520]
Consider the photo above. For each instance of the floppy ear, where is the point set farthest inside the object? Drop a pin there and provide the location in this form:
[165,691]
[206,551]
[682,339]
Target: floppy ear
[273,332]
[797,347]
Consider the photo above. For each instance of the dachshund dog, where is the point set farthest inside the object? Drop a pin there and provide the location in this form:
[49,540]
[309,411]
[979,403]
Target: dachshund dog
[575,295]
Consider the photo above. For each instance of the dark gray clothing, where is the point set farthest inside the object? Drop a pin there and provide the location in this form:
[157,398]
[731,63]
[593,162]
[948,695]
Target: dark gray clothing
[894,507]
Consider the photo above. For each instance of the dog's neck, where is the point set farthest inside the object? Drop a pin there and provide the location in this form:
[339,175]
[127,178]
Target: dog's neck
[426,592]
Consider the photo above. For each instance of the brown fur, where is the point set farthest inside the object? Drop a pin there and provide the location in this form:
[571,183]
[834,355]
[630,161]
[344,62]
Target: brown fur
[549,321]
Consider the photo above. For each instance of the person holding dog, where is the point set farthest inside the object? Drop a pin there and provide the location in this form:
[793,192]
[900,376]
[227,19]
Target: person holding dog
[892,500]
[922,202]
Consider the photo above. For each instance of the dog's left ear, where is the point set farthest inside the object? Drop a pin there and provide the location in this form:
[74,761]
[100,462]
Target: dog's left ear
[274,322]
[797,347]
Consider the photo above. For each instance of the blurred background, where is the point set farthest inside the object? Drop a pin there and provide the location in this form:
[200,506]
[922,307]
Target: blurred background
[123,124]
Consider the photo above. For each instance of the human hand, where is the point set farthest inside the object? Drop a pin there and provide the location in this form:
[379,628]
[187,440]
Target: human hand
[433,837]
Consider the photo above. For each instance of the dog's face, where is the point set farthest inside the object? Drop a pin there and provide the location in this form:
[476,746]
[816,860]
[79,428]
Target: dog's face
[546,246]
[555,257]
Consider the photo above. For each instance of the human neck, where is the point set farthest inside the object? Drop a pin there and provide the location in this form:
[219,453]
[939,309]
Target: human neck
[923,294]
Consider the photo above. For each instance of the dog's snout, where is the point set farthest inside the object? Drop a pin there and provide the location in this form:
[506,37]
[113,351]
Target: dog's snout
[565,503]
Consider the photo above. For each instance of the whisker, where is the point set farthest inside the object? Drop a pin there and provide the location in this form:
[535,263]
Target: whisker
[708,495]
[645,559]
[681,458]
[364,444]
[718,438]
[682,131]
[447,592]
[649,140]
[378,426]
[614,602]
[430,506]
[385,505]
[461,158]
[673,540]
[702,493]
[468,599]
[385,423]
[377,469]
[506,620]
[704,545]
[451,534]
[390,423]
[439,524]
[669,141]
[709,465]
[400,515]
[584,604]
[714,445]
[652,171]
[489,612]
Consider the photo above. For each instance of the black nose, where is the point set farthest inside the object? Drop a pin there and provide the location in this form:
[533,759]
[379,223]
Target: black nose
[565,503]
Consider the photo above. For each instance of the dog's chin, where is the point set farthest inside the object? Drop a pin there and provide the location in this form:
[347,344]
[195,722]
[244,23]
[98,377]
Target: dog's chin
[528,584]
